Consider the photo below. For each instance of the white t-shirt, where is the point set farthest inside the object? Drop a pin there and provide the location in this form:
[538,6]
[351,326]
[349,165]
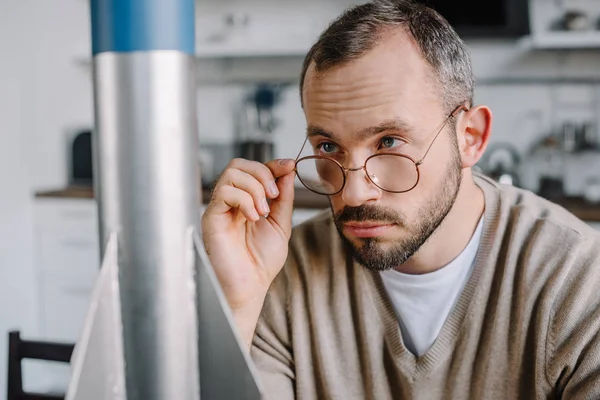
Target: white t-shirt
[423,302]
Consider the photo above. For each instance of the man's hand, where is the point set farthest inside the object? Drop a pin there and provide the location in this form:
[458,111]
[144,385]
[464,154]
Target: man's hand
[246,238]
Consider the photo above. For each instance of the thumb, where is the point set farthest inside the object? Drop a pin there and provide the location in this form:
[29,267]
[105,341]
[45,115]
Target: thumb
[282,206]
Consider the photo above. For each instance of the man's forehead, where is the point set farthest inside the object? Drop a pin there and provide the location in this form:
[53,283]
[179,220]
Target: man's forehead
[396,58]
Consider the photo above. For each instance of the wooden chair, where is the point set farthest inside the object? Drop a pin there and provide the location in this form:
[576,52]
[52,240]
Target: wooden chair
[18,350]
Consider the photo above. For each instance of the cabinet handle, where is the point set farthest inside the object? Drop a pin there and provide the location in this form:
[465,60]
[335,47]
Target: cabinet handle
[78,290]
[76,215]
[77,243]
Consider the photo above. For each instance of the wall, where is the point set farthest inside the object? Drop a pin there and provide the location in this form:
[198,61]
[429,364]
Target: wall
[61,96]
[18,303]
[43,96]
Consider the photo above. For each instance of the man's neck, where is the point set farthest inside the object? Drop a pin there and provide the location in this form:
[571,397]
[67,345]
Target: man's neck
[453,234]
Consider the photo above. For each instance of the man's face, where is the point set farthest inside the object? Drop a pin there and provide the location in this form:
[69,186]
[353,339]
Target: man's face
[384,102]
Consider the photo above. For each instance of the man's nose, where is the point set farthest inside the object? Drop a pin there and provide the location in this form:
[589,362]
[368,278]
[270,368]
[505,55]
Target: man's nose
[359,189]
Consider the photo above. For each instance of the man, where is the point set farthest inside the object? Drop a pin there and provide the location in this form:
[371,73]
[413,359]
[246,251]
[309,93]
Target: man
[425,280]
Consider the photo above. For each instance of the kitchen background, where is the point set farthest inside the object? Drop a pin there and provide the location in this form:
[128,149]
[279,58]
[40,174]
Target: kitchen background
[538,68]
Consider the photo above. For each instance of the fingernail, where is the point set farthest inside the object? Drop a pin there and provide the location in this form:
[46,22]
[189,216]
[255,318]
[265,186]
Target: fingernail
[273,189]
[284,162]
[265,207]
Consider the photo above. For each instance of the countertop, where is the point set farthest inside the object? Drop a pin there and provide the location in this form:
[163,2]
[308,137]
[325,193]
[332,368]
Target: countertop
[303,198]
[306,199]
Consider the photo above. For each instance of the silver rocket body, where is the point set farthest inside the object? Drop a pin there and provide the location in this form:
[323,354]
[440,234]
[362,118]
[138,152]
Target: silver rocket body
[148,193]
[159,326]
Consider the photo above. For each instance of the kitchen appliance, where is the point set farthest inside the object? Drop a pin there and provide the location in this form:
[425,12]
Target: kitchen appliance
[575,21]
[80,159]
[566,164]
[499,18]
[257,123]
[501,162]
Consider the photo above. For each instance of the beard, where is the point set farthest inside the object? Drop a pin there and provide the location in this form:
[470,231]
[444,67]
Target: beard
[372,254]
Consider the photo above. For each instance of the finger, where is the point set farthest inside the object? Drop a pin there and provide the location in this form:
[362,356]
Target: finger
[242,180]
[281,167]
[260,172]
[283,206]
[227,197]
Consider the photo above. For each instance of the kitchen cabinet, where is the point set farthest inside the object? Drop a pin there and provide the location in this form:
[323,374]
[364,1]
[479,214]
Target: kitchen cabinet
[549,30]
[257,28]
[68,261]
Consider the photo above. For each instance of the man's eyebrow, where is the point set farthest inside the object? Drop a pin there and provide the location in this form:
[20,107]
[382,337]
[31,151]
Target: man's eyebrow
[389,125]
[385,126]
[314,130]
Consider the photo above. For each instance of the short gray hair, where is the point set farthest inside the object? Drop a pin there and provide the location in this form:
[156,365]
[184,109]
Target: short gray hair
[359,29]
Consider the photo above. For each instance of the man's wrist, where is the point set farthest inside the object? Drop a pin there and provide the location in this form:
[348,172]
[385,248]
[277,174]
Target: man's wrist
[246,319]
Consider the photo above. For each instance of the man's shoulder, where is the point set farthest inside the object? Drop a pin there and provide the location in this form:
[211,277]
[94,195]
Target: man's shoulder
[533,234]
[525,209]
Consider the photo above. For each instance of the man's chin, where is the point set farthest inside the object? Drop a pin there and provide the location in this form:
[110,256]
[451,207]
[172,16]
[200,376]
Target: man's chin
[379,254]
[382,241]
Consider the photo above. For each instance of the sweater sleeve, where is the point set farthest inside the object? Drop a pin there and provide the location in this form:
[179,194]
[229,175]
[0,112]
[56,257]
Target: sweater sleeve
[271,347]
[573,346]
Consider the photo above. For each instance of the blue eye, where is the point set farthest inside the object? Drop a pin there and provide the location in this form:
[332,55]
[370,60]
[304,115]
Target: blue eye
[326,147]
[389,142]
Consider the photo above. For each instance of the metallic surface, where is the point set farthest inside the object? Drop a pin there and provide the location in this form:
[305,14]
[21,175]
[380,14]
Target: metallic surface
[147,185]
[98,368]
[142,25]
[226,371]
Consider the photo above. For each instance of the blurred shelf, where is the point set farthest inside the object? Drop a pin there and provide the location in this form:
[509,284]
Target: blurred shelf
[580,207]
[241,50]
[538,80]
[562,41]
[238,51]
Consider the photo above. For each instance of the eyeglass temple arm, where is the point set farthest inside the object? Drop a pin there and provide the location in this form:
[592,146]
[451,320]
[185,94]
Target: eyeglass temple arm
[302,148]
[453,114]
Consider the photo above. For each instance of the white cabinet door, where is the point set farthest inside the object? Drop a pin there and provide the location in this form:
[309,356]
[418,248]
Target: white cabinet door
[65,308]
[70,257]
[68,262]
[255,28]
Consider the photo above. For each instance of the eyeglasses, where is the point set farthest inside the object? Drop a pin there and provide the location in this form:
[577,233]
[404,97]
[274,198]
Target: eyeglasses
[390,172]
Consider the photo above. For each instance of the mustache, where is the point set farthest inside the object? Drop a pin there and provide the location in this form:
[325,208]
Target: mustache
[367,213]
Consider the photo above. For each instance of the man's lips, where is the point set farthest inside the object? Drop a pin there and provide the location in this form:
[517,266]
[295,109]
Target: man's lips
[367,229]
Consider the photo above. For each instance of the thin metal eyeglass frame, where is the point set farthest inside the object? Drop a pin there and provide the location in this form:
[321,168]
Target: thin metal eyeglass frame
[345,171]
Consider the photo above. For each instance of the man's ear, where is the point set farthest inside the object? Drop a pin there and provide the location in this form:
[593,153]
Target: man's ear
[473,131]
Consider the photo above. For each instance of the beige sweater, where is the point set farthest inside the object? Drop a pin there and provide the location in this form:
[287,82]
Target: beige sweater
[526,325]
